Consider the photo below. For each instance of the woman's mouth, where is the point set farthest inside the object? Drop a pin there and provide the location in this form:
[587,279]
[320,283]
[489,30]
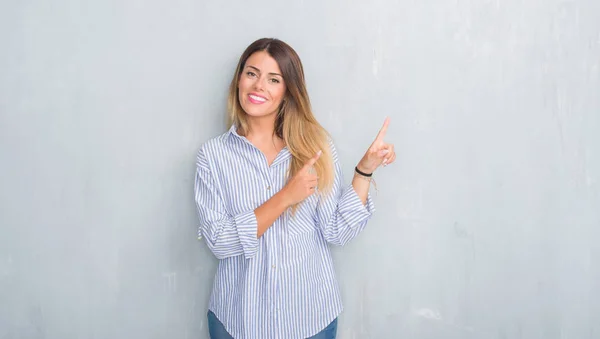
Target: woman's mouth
[255,99]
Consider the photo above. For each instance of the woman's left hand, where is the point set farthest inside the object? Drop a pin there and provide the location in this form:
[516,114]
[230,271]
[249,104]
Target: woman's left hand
[379,153]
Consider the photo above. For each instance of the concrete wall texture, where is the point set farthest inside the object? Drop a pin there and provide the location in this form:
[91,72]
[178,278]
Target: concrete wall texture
[487,225]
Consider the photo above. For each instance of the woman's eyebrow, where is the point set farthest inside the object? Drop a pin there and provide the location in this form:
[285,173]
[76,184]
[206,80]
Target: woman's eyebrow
[258,70]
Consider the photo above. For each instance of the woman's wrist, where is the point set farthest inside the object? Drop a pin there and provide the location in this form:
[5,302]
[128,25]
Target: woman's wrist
[361,170]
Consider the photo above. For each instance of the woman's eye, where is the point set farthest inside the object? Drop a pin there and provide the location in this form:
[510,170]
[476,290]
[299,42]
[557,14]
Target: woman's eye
[275,81]
[251,74]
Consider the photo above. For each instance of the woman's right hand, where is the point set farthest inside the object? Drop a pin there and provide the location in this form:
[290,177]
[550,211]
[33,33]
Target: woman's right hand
[302,184]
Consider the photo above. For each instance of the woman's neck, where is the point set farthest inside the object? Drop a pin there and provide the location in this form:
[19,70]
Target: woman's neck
[261,131]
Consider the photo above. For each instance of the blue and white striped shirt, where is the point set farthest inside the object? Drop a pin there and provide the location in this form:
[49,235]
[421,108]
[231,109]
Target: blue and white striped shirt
[283,284]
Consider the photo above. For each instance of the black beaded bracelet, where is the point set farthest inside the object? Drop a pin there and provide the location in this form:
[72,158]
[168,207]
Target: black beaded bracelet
[362,173]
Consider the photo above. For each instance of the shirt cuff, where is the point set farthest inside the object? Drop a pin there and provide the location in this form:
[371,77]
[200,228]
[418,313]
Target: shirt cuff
[352,207]
[247,226]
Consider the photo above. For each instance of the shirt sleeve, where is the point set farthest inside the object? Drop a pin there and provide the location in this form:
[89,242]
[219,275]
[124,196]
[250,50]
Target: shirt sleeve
[341,215]
[226,235]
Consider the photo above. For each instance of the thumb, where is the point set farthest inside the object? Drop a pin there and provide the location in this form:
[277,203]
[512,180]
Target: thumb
[383,152]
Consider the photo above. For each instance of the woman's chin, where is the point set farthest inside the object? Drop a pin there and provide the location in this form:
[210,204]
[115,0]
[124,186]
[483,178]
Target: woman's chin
[258,113]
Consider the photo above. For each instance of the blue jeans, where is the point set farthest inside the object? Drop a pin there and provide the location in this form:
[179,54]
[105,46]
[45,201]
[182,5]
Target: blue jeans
[217,330]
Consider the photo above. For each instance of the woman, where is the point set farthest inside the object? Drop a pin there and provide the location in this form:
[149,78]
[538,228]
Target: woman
[270,198]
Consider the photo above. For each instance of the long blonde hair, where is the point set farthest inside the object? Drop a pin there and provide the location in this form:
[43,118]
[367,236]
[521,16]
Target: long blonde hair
[295,123]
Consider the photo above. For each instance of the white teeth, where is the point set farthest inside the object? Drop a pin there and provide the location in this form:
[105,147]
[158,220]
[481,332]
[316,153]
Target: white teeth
[258,98]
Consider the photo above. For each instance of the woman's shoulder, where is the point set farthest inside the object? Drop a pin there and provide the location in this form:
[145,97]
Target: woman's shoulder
[332,147]
[212,147]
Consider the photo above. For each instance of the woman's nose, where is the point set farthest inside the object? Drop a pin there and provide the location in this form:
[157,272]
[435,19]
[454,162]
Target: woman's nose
[259,84]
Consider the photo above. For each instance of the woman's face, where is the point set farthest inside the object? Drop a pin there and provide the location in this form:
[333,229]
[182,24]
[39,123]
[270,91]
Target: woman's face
[261,87]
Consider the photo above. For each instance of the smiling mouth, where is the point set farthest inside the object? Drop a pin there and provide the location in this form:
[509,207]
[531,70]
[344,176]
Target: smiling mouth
[255,99]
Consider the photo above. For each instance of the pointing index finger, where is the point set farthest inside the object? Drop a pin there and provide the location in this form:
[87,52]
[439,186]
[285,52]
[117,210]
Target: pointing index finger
[383,129]
[313,160]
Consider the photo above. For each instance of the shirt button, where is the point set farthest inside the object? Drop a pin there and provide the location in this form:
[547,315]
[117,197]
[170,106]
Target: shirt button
[273,266]
[268,188]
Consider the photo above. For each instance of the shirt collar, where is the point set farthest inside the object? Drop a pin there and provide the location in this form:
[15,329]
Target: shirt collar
[232,133]
[283,155]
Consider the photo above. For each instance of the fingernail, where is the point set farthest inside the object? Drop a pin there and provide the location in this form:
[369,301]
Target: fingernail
[319,152]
